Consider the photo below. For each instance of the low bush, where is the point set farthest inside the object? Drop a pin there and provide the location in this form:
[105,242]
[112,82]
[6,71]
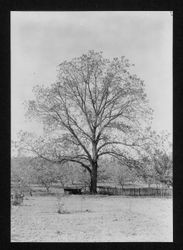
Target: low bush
[61,209]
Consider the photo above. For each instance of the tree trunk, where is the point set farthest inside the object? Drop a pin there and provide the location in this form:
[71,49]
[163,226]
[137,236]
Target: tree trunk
[94,165]
[93,185]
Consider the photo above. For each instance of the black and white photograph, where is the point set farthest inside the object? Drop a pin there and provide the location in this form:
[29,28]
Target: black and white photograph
[91,126]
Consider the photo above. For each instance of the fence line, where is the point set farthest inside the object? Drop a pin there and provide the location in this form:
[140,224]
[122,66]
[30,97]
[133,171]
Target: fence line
[136,191]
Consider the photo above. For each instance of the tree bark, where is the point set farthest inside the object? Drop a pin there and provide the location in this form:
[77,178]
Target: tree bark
[93,185]
[94,165]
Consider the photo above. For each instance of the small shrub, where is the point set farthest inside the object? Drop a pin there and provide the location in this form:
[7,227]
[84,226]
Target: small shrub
[61,209]
[17,199]
[16,203]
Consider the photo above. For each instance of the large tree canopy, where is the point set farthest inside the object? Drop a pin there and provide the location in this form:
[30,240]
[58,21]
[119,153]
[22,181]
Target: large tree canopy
[96,108]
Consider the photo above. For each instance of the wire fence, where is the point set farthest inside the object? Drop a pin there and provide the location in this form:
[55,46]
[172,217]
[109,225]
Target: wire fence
[165,192]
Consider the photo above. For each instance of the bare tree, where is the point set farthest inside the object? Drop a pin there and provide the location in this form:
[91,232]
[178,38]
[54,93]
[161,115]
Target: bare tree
[164,168]
[96,108]
[65,174]
[121,179]
[124,175]
[157,166]
[44,173]
[22,173]
[162,160]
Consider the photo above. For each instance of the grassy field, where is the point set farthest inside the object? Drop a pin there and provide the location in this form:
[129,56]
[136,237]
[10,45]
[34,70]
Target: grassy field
[92,219]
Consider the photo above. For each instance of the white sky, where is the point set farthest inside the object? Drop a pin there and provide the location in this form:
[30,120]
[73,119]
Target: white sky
[42,40]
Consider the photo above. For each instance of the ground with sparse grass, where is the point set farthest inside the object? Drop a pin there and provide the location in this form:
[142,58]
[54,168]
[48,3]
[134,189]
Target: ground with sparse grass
[87,218]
